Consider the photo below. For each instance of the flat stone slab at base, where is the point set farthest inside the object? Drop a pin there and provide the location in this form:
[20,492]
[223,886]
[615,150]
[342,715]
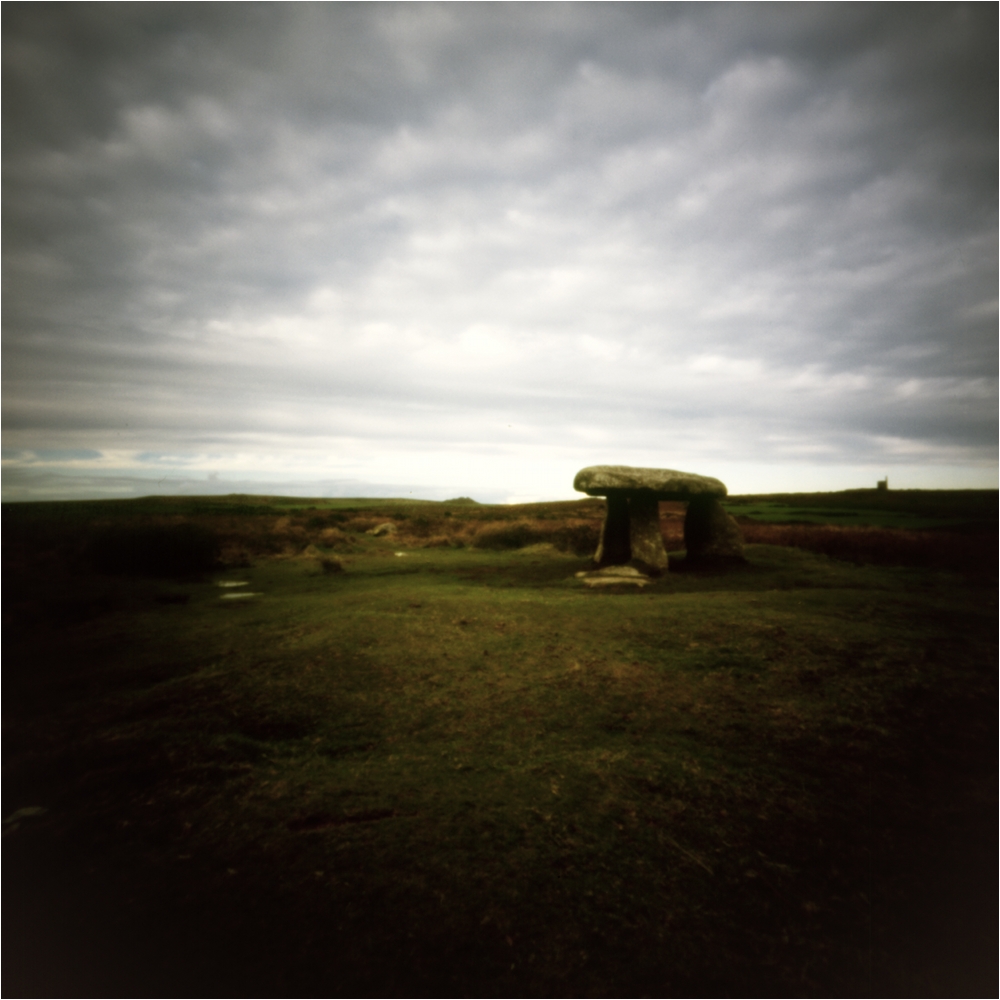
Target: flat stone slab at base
[614,574]
[666,484]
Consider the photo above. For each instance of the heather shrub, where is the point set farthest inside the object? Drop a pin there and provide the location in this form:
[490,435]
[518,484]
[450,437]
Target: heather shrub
[514,535]
[673,534]
[332,536]
[885,546]
[325,519]
[578,537]
[422,526]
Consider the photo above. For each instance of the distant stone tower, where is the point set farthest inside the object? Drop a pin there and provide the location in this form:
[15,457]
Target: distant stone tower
[883,484]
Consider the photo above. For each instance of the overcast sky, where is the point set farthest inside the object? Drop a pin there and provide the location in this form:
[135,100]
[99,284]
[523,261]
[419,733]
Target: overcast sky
[471,248]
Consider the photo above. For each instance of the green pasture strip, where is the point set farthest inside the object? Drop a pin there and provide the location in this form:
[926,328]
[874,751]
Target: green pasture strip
[467,767]
[979,506]
[776,513]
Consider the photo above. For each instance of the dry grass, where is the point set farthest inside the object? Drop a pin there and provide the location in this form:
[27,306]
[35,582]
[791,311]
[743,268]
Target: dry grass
[291,536]
[569,527]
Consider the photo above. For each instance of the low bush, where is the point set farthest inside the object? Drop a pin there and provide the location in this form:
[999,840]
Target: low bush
[423,526]
[260,542]
[578,537]
[515,535]
[325,519]
[884,546]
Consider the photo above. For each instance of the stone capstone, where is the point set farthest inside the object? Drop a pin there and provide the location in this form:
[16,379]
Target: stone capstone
[665,484]
[631,530]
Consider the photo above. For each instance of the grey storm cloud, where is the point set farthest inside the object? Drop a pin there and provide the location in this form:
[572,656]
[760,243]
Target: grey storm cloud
[751,232]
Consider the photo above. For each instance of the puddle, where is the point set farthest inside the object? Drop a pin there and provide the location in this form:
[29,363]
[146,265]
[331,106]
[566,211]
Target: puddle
[236,597]
[231,583]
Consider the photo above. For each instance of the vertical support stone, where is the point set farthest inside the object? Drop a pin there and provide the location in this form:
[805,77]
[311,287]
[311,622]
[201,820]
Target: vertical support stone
[710,534]
[645,535]
[613,548]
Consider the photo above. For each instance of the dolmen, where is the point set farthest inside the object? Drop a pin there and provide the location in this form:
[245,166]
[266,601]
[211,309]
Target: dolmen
[631,532]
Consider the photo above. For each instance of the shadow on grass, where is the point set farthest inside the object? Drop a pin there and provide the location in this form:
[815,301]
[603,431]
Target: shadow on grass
[464,773]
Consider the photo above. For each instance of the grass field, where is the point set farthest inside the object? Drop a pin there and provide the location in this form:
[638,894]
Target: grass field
[969,510]
[773,512]
[433,763]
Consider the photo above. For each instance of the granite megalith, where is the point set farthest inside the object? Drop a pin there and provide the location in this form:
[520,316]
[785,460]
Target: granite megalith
[711,536]
[631,530]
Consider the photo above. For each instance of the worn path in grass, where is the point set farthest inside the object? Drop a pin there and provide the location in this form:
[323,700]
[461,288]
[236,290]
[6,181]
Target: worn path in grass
[458,772]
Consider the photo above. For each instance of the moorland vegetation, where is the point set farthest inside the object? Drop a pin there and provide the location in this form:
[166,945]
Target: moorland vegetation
[252,748]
